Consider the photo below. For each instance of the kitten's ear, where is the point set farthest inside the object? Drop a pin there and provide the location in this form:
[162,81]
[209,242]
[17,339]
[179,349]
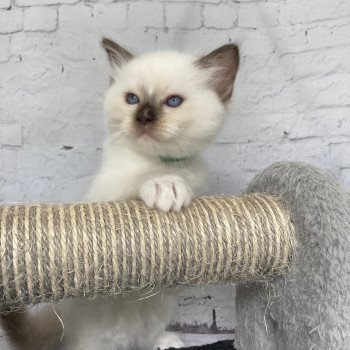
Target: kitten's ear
[224,63]
[117,55]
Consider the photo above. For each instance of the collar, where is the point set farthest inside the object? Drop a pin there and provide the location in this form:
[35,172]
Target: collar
[172,160]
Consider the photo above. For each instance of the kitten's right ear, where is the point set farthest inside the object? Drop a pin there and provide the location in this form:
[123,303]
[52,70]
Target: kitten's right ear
[117,55]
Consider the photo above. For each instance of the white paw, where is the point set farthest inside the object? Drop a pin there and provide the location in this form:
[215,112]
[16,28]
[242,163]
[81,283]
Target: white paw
[168,340]
[169,192]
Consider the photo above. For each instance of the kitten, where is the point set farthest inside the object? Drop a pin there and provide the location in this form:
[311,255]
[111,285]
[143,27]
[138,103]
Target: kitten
[162,109]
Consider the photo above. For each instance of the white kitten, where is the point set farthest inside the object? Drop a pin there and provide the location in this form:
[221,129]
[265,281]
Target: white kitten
[162,109]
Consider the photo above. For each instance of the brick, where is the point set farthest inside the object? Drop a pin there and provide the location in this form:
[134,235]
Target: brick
[322,123]
[29,46]
[220,16]
[257,44]
[75,39]
[329,91]
[11,21]
[339,153]
[109,18]
[100,1]
[40,19]
[243,128]
[201,1]
[11,135]
[145,14]
[185,16]
[302,12]
[8,161]
[303,39]
[5,4]
[40,189]
[11,192]
[75,19]
[325,36]
[256,156]
[274,97]
[24,3]
[258,15]
[313,63]
[332,90]
[4,48]
[195,40]
[345,178]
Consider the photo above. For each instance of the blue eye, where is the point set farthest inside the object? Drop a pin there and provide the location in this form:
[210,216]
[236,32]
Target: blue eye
[132,99]
[174,101]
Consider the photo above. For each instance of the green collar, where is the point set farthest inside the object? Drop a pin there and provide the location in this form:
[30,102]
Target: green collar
[169,160]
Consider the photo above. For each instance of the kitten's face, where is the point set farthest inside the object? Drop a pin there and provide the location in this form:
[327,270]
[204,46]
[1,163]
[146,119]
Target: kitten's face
[165,103]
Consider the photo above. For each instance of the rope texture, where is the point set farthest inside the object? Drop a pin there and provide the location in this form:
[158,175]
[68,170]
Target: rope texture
[52,252]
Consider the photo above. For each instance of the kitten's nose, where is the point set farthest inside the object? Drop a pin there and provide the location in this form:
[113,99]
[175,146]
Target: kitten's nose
[146,115]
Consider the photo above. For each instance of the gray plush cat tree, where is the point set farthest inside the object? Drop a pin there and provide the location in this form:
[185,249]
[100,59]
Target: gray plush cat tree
[297,228]
[309,308]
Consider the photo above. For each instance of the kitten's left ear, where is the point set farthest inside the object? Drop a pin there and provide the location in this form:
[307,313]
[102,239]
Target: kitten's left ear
[117,55]
[224,63]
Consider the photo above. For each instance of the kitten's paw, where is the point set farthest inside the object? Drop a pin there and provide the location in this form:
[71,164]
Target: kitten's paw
[168,340]
[166,193]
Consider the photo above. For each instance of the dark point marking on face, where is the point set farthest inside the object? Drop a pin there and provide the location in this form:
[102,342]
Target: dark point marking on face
[224,62]
[147,113]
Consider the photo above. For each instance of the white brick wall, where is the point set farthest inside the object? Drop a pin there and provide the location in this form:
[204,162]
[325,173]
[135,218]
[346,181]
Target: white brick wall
[261,15]
[145,14]
[40,19]
[291,102]
[5,4]
[24,3]
[4,48]
[10,135]
[220,17]
[183,15]
[10,21]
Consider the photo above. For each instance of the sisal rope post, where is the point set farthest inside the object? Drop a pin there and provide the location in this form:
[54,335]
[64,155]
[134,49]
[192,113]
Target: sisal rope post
[52,252]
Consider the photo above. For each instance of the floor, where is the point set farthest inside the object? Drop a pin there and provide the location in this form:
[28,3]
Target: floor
[189,339]
[202,339]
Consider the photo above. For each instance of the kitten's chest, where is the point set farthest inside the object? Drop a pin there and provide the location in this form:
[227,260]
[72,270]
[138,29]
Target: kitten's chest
[121,175]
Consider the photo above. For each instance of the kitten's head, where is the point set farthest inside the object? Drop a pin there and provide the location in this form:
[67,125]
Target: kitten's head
[168,103]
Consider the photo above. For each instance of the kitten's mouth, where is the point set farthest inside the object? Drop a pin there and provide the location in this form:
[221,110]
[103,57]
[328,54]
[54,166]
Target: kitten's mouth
[145,133]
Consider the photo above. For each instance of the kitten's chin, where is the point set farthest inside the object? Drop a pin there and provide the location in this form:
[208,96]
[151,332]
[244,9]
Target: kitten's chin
[146,142]
[145,136]
[149,144]
[146,139]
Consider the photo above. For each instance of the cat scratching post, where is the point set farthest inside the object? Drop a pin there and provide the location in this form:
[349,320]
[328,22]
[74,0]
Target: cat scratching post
[52,252]
[309,308]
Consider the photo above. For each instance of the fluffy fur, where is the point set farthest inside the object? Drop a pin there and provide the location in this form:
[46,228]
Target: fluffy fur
[180,132]
[310,307]
[152,152]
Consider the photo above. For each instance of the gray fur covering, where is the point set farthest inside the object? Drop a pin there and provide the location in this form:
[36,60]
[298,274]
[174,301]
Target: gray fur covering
[309,308]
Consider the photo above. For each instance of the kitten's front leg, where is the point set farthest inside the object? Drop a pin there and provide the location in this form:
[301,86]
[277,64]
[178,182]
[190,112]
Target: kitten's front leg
[167,192]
